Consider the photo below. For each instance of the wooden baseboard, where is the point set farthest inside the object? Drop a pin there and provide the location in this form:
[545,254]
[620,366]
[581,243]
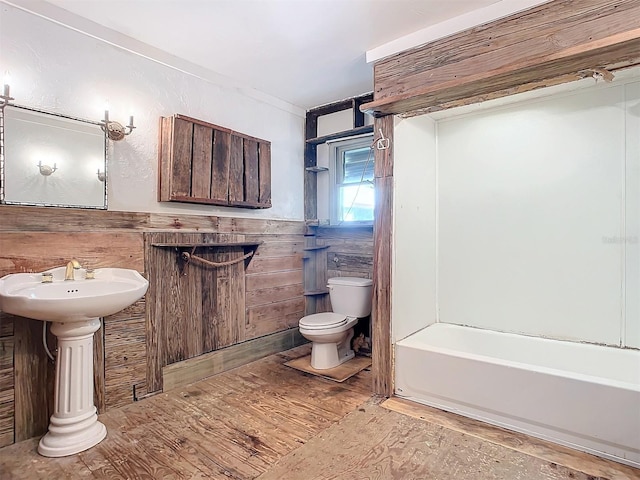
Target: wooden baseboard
[194,369]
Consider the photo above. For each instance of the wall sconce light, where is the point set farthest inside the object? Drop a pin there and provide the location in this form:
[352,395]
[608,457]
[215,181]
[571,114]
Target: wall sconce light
[102,175]
[46,170]
[115,130]
[5,98]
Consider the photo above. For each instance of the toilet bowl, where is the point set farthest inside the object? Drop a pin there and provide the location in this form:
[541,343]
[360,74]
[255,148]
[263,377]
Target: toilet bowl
[331,332]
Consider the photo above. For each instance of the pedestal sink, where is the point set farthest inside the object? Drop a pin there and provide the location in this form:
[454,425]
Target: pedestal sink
[74,307]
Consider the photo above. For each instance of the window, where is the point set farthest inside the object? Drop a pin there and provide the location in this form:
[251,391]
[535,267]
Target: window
[352,183]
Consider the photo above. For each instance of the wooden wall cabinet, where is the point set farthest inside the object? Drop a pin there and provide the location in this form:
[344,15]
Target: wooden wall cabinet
[204,163]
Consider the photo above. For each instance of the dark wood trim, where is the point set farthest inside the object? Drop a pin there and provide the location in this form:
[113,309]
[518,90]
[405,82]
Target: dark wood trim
[382,366]
[344,134]
[330,108]
[312,141]
[358,115]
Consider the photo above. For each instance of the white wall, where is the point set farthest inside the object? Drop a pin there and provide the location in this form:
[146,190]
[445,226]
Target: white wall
[59,69]
[537,217]
[631,323]
[413,302]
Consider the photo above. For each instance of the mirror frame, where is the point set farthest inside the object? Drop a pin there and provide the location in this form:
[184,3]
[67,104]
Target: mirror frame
[3,179]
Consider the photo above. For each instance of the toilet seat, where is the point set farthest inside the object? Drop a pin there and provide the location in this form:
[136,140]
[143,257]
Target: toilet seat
[323,321]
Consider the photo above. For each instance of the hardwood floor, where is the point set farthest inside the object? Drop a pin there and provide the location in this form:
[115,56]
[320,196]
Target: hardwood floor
[267,421]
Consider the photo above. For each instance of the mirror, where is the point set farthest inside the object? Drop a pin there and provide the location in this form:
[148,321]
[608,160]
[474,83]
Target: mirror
[50,159]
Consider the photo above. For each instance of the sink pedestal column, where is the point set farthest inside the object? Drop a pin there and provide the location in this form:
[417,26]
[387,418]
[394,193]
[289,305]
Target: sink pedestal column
[74,425]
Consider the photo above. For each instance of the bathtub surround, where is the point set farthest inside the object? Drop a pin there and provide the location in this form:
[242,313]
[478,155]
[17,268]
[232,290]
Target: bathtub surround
[581,396]
[523,218]
[600,27]
[525,199]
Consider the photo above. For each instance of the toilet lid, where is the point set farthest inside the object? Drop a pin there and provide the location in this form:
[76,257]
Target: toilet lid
[323,320]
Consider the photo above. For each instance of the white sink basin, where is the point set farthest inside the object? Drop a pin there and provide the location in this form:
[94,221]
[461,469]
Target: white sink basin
[112,290]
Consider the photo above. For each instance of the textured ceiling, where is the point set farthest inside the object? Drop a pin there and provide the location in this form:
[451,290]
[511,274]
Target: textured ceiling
[305,52]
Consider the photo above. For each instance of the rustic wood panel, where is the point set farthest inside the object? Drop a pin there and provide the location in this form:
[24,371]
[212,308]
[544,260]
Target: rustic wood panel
[262,264]
[554,42]
[125,357]
[269,280]
[236,170]
[349,254]
[181,158]
[6,416]
[220,169]
[493,45]
[201,184]
[213,165]
[24,219]
[206,308]
[381,314]
[7,404]
[100,238]
[14,218]
[34,376]
[167,298]
[282,312]
[99,368]
[273,317]
[264,169]
[271,305]
[251,173]
[36,251]
[271,295]
[346,264]
[165,140]
[229,315]
[6,324]
[280,248]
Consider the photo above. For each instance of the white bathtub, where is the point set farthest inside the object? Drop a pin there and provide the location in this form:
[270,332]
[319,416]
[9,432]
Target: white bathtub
[583,396]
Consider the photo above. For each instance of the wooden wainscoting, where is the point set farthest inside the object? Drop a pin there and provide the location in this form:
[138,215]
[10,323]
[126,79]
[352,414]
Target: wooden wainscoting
[199,308]
[26,374]
[274,285]
[345,251]
[263,300]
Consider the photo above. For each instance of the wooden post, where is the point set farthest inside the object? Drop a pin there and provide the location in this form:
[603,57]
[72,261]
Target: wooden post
[382,243]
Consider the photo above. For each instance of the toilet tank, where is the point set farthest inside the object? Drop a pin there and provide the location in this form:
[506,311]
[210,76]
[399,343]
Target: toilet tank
[351,295]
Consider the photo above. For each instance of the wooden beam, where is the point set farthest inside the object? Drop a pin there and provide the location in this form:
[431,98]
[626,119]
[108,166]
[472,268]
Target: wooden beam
[358,115]
[344,134]
[330,108]
[549,44]
[382,358]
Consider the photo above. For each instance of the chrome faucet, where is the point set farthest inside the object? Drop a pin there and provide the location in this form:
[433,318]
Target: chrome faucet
[71,266]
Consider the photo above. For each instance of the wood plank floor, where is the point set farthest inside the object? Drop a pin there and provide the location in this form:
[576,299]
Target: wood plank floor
[268,421]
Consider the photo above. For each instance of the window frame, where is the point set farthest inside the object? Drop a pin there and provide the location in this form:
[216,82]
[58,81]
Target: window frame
[335,167]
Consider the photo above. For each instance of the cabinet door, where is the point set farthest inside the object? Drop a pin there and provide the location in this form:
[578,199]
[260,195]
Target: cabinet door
[204,163]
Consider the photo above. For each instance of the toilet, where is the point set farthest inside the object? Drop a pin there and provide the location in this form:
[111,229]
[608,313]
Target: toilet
[331,332]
